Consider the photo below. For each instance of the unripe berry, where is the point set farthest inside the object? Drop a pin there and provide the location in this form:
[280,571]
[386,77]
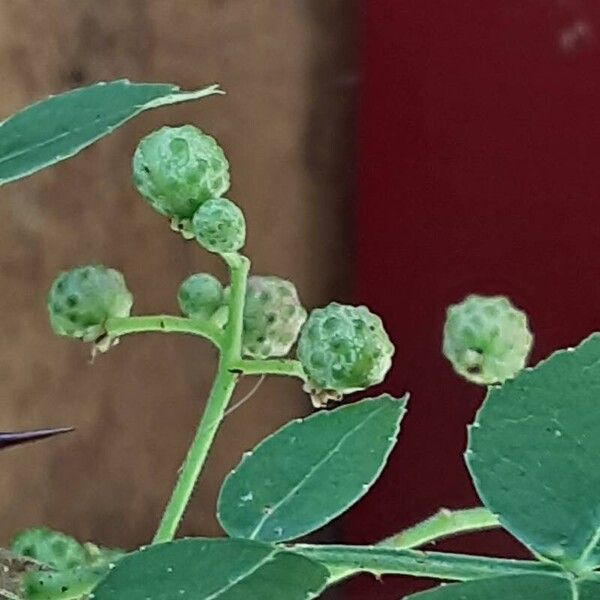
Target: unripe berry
[486,339]
[52,548]
[273,317]
[200,295]
[344,348]
[82,299]
[176,169]
[219,226]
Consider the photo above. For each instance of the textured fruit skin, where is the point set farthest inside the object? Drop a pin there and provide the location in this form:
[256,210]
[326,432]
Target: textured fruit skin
[176,169]
[200,295]
[219,226]
[82,299]
[273,317]
[68,566]
[51,548]
[486,339]
[344,348]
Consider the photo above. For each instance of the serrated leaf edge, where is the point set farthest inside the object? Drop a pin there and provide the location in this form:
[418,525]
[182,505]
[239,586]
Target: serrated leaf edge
[366,487]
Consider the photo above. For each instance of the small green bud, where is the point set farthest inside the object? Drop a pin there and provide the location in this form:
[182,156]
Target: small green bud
[82,299]
[344,349]
[219,226]
[486,339]
[273,317]
[48,547]
[200,295]
[176,169]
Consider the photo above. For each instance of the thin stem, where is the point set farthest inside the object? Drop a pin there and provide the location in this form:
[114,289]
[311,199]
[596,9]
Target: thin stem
[218,399]
[117,327]
[238,267]
[344,561]
[271,366]
[443,524]
[220,395]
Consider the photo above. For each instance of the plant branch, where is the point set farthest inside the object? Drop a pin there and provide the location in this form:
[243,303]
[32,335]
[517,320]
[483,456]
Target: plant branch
[218,400]
[272,366]
[238,267]
[443,524]
[117,327]
[344,561]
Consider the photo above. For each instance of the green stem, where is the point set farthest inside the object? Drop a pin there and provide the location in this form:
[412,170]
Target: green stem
[220,316]
[218,400]
[344,561]
[443,524]
[238,267]
[117,327]
[283,366]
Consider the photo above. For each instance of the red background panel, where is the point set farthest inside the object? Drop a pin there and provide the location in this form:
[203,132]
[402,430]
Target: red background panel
[478,171]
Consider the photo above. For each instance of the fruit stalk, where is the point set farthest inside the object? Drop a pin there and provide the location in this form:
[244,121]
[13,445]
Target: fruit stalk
[219,398]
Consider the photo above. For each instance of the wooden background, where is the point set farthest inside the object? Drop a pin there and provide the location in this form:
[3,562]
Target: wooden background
[289,69]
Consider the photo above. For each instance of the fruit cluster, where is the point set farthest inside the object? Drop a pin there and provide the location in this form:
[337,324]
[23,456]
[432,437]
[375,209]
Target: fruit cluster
[183,173]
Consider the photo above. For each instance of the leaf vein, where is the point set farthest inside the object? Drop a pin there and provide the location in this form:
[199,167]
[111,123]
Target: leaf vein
[311,472]
[244,575]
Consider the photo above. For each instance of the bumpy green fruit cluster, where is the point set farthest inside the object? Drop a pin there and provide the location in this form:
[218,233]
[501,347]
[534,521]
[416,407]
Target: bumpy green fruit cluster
[82,299]
[177,169]
[48,547]
[273,317]
[67,565]
[486,339]
[219,226]
[200,295]
[344,348]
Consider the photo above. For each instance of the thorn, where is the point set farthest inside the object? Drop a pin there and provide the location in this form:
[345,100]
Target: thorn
[20,437]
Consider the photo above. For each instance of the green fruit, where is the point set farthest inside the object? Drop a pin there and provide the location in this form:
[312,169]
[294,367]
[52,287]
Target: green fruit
[82,299]
[486,339]
[219,226]
[50,548]
[344,348]
[200,295]
[273,317]
[176,169]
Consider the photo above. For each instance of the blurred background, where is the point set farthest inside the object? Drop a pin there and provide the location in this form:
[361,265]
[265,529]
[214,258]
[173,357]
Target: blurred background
[286,125]
[398,154]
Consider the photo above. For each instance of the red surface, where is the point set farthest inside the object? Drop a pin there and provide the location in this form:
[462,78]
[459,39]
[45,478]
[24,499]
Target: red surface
[479,171]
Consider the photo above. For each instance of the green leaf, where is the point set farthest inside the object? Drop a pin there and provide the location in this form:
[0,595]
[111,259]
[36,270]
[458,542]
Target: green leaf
[589,590]
[521,587]
[533,454]
[211,569]
[60,126]
[310,471]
